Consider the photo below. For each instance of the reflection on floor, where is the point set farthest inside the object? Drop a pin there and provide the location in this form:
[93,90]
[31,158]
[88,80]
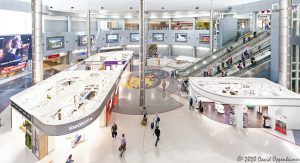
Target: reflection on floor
[255,119]
[157,101]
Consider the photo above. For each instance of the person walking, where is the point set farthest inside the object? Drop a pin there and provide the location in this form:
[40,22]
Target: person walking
[122,147]
[114,132]
[156,120]
[69,160]
[191,102]
[157,134]
[164,86]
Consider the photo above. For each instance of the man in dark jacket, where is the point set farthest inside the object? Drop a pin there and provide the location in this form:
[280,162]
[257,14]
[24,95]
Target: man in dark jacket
[157,134]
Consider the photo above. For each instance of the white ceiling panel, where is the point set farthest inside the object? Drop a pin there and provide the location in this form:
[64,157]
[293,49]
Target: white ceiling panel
[151,5]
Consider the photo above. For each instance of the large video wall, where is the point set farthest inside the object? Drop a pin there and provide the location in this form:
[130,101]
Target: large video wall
[15,52]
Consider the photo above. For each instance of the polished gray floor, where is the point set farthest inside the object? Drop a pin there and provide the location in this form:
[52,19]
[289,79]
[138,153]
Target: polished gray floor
[297,136]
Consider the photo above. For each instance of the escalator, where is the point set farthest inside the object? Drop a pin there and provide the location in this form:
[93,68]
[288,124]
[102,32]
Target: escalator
[152,50]
[259,53]
[221,54]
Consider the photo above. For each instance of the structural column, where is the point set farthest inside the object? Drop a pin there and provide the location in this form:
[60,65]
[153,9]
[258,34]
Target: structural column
[123,24]
[170,24]
[194,23]
[211,32]
[239,116]
[89,46]
[254,21]
[37,40]
[195,51]
[285,42]
[142,55]
[170,50]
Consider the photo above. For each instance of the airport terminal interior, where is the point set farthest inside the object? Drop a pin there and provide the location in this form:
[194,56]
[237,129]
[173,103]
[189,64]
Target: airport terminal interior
[149,81]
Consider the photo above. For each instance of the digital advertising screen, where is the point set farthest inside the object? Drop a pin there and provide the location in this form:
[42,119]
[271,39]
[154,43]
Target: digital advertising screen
[55,42]
[181,37]
[158,37]
[15,51]
[112,38]
[204,39]
[83,40]
[134,37]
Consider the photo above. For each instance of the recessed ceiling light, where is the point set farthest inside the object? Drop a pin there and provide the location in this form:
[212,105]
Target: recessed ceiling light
[51,7]
[72,7]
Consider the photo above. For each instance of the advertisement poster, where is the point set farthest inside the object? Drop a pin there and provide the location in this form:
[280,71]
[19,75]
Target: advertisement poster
[15,52]
[181,37]
[112,38]
[134,37]
[204,39]
[83,40]
[55,42]
[280,123]
[157,37]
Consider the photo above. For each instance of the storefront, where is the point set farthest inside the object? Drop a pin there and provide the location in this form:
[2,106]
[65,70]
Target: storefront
[68,106]
[247,102]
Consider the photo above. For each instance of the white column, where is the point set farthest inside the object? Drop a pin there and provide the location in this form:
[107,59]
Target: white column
[284,42]
[37,41]
[195,51]
[124,24]
[170,50]
[211,33]
[98,25]
[272,113]
[254,21]
[194,23]
[89,46]
[170,24]
[142,57]
[239,115]
[69,24]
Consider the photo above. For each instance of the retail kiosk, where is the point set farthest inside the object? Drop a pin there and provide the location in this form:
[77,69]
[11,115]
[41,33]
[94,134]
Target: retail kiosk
[66,103]
[243,93]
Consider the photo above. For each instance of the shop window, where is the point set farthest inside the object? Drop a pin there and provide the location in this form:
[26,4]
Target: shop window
[294,66]
[182,25]
[294,54]
[202,25]
[293,85]
[299,86]
[294,27]
[293,74]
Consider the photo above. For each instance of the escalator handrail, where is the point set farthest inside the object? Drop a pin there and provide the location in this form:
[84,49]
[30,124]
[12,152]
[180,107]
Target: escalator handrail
[249,67]
[227,55]
[217,51]
[266,48]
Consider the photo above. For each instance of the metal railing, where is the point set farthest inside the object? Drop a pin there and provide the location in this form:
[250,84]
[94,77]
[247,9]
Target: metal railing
[221,53]
[255,52]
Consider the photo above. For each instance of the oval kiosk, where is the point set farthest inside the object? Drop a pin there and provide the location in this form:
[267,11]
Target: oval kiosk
[66,103]
[240,93]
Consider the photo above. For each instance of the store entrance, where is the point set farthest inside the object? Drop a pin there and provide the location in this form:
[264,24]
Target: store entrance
[55,63]
[253,117]
[256,117]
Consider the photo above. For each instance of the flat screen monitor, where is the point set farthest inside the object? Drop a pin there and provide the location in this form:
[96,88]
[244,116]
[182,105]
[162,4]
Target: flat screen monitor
[158,37]
[15,51]
[181,37]
[55,42]
[112,38]
[134,37]
[204,39]
[83,40]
